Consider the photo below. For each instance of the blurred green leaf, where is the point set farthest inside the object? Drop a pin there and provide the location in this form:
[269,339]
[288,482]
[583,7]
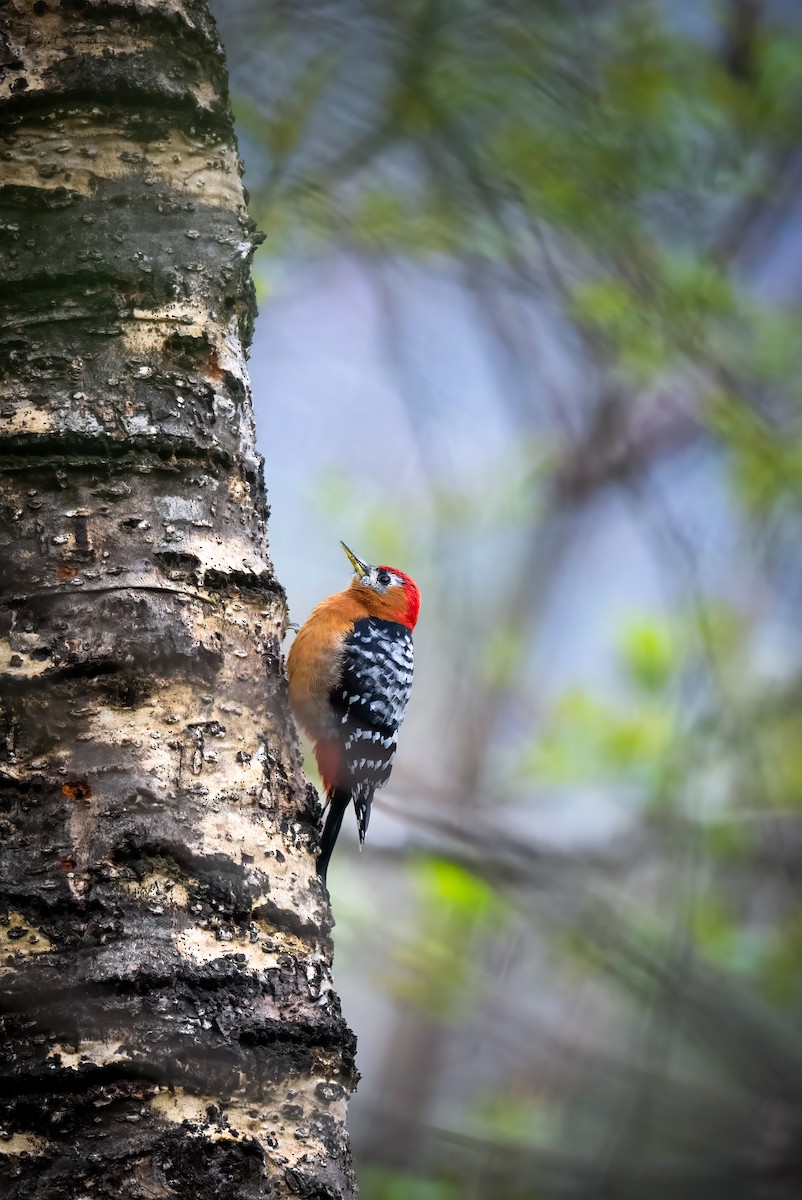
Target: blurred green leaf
[586,740]
[437,969]
[767,462]
[728,839]
[381,1183]
[714,929]
[649,653]
[448,888]
[510,1119]
[780,977]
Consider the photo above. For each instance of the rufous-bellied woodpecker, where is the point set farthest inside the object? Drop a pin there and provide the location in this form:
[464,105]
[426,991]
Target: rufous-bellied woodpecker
[350,673]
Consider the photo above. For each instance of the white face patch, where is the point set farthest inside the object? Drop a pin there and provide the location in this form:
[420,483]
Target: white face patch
[380,579]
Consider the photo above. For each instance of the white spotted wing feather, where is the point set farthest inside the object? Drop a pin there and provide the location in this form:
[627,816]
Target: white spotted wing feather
[370,701]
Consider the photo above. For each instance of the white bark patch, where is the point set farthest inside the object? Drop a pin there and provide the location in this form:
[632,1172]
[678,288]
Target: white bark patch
[202,946]
[80,155]
[242,835]
[19,939]
[229,831]
[158,890]
[97,1053]
[21,1143]
[285,1141]
[168,7]
[172,753]
[262,945]
[27,419]
[15,659]
[44,43]
[145,334]
[237,554]
[232,357]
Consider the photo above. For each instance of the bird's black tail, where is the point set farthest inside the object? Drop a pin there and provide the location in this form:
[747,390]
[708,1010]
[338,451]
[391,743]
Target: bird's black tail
[339,800]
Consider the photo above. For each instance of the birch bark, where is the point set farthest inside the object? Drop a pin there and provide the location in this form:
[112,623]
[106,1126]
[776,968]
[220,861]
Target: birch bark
[169,1026]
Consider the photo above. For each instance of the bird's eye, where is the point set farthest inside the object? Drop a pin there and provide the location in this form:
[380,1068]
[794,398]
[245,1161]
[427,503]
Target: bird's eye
[383,578]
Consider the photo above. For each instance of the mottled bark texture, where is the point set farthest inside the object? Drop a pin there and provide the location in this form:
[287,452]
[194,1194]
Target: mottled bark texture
[169,1024]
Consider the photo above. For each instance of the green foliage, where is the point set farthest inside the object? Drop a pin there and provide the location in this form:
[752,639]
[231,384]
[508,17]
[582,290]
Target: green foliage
[588,741]
[623,139]
[728,840]
[649,654]
[449,888]
[780,950]
[769,353]
[515,1117]
[380,1183]
[766,953]
[635,334]
[436,970]
[778,742]
[766,460]
[779,84]
[416,228]
[714,930]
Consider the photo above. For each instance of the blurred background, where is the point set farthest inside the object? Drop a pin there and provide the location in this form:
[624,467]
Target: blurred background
[530,329]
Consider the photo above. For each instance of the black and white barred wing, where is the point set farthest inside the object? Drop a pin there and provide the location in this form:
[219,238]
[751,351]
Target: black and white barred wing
[371,701]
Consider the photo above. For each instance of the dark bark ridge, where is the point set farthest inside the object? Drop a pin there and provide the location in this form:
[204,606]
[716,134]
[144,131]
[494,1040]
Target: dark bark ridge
[169,1027]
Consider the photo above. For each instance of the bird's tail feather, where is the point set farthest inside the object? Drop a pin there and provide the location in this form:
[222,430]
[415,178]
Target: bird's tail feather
[339,799]
[362,802]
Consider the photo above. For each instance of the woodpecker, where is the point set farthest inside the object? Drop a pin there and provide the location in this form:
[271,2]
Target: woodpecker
[350,674]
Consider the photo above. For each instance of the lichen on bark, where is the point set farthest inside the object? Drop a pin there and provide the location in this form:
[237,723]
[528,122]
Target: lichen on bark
[170,1027]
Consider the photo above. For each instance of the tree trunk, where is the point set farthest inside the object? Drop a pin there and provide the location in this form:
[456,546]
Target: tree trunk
[169,1024]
